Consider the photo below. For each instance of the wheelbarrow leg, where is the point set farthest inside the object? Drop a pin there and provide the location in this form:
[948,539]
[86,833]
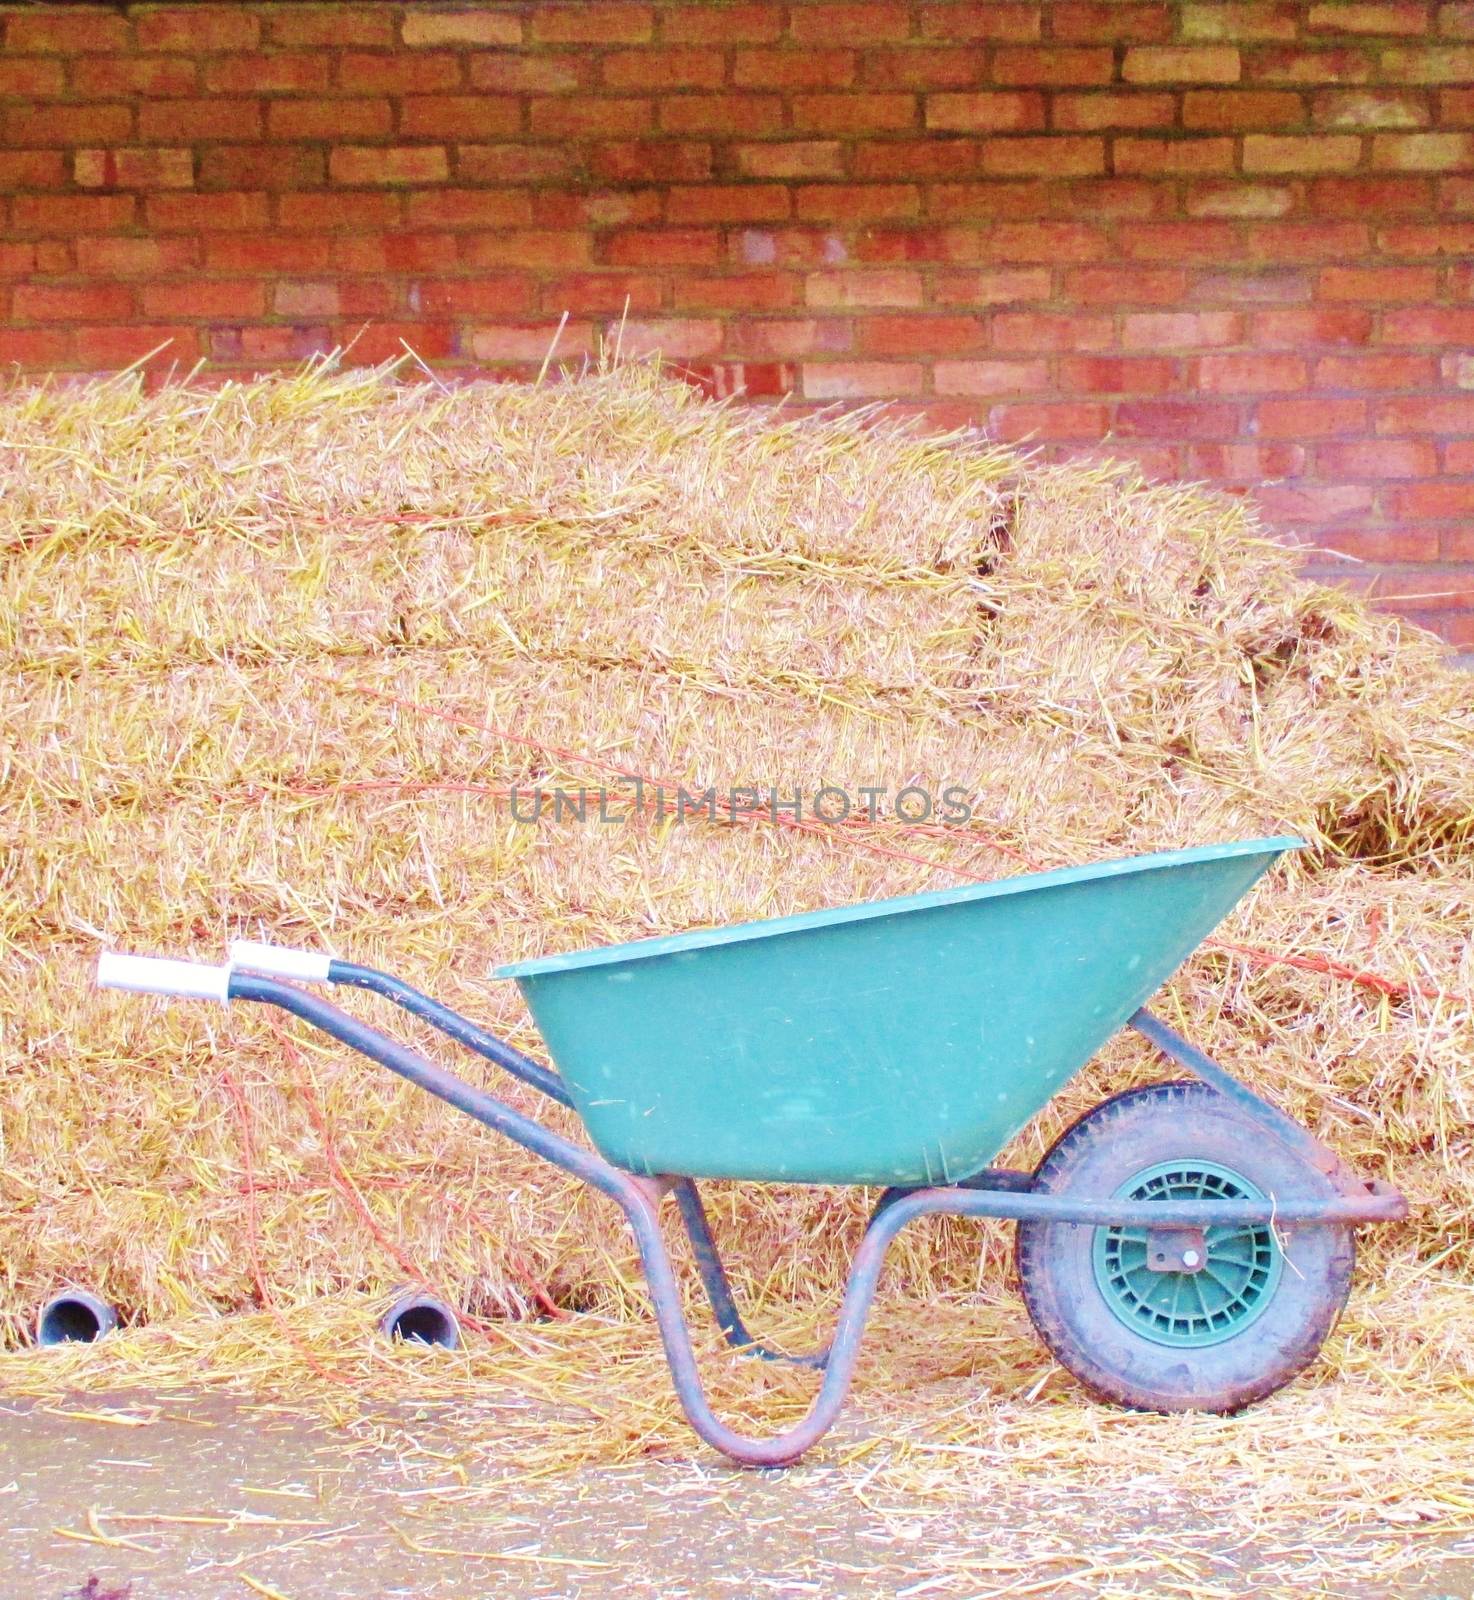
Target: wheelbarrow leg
[719,1289]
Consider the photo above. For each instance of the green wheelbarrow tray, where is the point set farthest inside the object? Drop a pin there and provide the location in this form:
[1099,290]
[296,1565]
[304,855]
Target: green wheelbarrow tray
[897,1042]
[900,1044]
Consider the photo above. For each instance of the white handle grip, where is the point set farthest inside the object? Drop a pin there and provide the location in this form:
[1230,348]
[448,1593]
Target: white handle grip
[275,961]
[187,980]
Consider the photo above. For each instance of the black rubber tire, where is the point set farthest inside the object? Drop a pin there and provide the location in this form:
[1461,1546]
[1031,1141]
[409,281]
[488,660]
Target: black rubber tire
[1120,1138]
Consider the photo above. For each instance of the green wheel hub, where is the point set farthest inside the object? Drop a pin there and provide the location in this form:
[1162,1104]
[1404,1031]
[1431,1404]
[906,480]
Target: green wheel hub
[1240,1271]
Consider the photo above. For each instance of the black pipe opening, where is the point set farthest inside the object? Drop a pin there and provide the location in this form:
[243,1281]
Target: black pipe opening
[421,1319]
[74,1318]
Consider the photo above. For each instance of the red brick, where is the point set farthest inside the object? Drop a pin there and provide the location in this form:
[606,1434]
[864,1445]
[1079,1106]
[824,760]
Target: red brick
[935,157]
[1370,196]
[136,258]
[664,69]
[1088,113]
[262,166]
[197,30]
[468,208]
[1238,199]
[1235,23]
[937,334]
[1456,19]
[1282,242]
[1154,157]
[591,292]
[32,169]
[664,247]
[1311,152]
[534,341]
[740,114]
[1118,374]
[389,164]
[1378,458]
[1188,63]
[70,31]
[790,338]
[328,119]
[1304,325]
[268,253]
[812,158]
[188,121]
[1256,373]
[331,212]
[1035,331]
[747,293]
[301,299]
[505,296]
[1246,463]
[104,77]
[1060,419]
[923,67]
[1455,106]
[41,124]
[271,72]
[1425,413]
[1311,418]
[478,27]
[596,208]
[540,74]
[1048,241]
[133,168]
[1003,286]
[981,19]
[385,341]
[1309,66]
[787,247]
[400,250]
[37,348]
[1175,419]
[1428,325]
[296,342]
[1398,543]
[237,300]
[578,117]
[1370,109]
[1110,23]
[744,202]
[66,213]
[1235,110]
[853,113]
[852,290]
[1110,286]
[1314,502]
[1377,283]
[108,347]
[1181,241]
[332,25]
[1458,456]
[752,22]
[1390,371]
[1428,64]
[671,337]
[1423,152]
[987,112]
[513,163]
[656,162]
[459,117]
[1348,16]
[54,302]
[990,377]
[821,22]
[879,245]
[784,69]
[1060,66]
[1431,499]
[592,22]
[1051,156]
[1180,330]
[1433,239]
[870,202]
[860,380]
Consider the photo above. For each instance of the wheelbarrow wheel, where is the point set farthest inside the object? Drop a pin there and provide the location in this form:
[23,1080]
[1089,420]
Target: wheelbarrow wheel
[1161,1320]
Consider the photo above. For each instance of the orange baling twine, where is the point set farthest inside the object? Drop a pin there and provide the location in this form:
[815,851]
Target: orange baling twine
[851,831]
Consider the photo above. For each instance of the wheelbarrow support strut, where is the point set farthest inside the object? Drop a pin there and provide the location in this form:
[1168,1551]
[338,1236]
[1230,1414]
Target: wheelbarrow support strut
[995,1194]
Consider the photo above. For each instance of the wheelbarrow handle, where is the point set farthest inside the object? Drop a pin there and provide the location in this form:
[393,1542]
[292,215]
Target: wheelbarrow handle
[279,961]
[182,980]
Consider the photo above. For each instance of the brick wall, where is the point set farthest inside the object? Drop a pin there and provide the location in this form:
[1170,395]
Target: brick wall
[1234,240]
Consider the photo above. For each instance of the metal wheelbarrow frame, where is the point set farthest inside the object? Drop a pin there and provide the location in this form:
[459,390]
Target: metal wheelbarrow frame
[273,976]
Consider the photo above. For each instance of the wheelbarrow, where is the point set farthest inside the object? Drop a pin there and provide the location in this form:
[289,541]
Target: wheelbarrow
[1182,1246]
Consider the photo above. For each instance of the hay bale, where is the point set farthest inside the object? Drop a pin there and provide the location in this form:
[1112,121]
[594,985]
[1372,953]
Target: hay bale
[277,652]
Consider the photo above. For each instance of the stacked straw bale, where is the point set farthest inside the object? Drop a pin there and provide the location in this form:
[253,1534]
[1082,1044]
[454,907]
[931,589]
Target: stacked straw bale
[276,653]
